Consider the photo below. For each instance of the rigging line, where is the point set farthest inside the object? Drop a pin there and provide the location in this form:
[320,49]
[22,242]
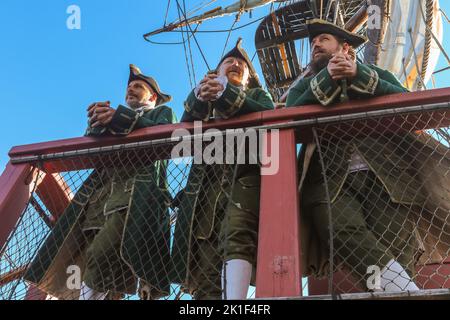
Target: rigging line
[441,70]
[428,38]
[195,38]
[224,31]
[271,11]
[404,74]
[167,13]
[200,7]
[433,81]
[445,16]
[185,53]
[190,50]
[416,61]
[435,38]
[171,43]
[229,33]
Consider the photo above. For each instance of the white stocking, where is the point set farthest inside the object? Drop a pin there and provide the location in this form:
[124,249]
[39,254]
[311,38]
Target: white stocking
[87,293]
[236,277]
[395,278]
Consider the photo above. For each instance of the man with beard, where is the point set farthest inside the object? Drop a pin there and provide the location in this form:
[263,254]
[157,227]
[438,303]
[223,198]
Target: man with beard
[215,233]
[369,202]
[116,228]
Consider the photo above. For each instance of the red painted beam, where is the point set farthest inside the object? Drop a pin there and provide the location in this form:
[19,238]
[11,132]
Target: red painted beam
[146,134]
[55,194]
[14,195]
[254,119]
[278,266]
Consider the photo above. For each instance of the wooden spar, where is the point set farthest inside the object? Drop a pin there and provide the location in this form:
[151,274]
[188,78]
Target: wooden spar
[12,275]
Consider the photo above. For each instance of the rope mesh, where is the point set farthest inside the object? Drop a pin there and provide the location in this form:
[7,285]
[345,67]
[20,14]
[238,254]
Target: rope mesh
[388,199]
[139,224]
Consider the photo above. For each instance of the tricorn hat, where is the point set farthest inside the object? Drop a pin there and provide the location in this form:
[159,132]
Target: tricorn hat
[239,52]
[136,74]
[319,26]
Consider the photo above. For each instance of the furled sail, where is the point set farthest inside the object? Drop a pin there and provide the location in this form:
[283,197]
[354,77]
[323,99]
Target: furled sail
[409,49]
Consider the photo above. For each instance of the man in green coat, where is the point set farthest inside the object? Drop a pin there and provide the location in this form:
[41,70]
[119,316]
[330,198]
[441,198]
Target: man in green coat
[213,232]
[116,228]
[389,194]
[370,194]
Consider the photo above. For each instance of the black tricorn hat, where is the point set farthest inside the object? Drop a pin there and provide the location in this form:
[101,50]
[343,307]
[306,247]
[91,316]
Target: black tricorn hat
[319,26]
[136,74]
[239,52]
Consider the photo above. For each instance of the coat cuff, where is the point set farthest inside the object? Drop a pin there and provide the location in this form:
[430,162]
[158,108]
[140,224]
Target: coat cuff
[324,88]
[197,108]
[366,80]
[123,121]
[230,102]
[94,131]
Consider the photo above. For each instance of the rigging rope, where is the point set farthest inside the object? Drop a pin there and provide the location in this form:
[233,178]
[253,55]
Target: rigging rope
[185,53]
[167,12]
[195,38]
[190,50]
[229,33]
[426,53]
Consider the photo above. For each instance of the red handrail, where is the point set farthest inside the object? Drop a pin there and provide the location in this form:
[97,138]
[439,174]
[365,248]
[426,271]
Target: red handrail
[279,260]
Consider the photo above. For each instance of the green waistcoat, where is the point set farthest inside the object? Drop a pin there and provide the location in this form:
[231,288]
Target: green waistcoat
[146,235]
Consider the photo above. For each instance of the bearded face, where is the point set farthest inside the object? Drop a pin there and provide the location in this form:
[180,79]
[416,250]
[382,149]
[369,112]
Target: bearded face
[236,70]
[139,94]
[323,47]
[320,62]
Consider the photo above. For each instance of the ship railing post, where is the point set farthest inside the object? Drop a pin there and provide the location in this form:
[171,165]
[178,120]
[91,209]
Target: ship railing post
[278,263]
[16,185]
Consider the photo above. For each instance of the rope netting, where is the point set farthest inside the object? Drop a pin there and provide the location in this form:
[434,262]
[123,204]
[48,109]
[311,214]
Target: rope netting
[136,222]
[384,188]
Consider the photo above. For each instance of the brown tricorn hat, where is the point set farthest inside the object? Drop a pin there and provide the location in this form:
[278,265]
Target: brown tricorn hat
[239,52]
[319,26]
[136,74]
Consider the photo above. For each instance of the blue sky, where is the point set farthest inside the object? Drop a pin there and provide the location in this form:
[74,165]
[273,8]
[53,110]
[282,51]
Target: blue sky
[50,74]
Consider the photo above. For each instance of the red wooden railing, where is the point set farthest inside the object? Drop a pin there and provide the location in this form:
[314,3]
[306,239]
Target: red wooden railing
[279,269]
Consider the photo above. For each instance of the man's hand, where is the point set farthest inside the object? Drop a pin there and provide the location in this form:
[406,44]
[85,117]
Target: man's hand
[342,66]
[100,113]
[210,88]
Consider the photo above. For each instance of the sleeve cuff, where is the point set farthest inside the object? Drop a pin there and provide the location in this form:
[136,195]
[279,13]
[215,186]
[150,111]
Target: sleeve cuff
[123,121]
[366,80]
[94,131]
[197,108]
[324,88]
[230,102]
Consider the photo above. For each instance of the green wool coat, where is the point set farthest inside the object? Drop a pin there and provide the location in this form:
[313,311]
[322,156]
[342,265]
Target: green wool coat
[195,221]
[403,164]
[146,235]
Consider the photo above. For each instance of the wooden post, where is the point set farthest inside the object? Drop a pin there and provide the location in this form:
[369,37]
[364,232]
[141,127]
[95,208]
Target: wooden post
[14,195]
[278,267]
